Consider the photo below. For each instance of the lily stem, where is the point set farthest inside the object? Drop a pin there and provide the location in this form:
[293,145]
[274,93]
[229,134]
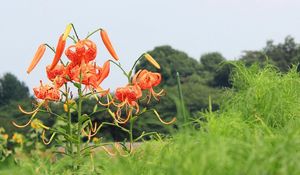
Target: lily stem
[131,121]
[75,32]
[69,120]
[124,72]
[92,33]
[79,123]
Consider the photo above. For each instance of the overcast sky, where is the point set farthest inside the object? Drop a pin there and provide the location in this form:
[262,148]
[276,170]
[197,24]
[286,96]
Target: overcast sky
[136,26]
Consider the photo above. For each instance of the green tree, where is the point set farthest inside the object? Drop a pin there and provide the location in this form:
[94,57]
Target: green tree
[171,61]
[282,55]
[211,61]
[12,89]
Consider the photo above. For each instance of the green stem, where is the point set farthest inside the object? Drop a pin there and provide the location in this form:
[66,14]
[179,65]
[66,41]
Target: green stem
[124,72]
[72,38]
[75,32]
[136,61]
[128,75]
[181,98]
[69,120]
[92,33]
[131,121]
[53,50]
[79,124]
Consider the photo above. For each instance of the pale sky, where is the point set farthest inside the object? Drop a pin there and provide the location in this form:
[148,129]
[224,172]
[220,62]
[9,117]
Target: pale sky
[136,26]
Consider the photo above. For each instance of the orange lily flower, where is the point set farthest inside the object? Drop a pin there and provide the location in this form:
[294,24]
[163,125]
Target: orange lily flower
[90,73]
[84,71]
[46,92]
[57,75]
[128,96]
[147,80]
[84,50]
[108,44]
[59,51]
[37,57]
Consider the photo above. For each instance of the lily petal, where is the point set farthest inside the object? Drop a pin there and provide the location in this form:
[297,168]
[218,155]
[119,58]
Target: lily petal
[105,71]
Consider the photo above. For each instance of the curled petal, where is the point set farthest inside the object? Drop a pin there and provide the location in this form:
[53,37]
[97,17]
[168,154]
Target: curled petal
[102,92]
[135,104]
[157,95]
[23,126]
[44,138]
[84,132]
[71,53]
[108,101]
[107,151]
[105,104]
[120,120]
[89,135]
[118,148]
[28,113]
[92,131]
[34,112]
[37,57]
[134,79]
[104,73]
[159,118]
[43,126]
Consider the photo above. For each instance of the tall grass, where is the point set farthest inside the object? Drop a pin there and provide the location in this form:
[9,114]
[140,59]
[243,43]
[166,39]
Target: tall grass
[256,131]
[265,96]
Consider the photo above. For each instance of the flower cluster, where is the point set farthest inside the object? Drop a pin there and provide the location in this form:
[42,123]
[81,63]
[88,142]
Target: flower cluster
[82,71]
[81,68]
[131,93]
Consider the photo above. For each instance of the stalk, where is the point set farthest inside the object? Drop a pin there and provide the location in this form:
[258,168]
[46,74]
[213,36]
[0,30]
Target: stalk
[78,146]
[75,32]
[131,121]
[79,125]
[69,120]
[182,106]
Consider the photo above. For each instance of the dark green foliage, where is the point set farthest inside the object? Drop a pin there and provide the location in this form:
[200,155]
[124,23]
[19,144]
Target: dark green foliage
[222,76]
[211,61]
[12,89]
[12,93]
[282,55]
